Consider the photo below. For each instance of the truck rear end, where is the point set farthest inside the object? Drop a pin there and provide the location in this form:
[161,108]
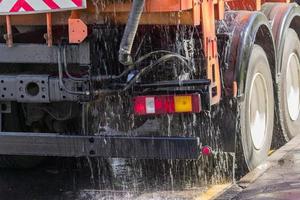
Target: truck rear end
[141,79]
[79,80]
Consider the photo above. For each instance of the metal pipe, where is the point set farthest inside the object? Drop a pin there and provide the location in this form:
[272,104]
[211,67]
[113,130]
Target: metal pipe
[49,30]
[67,71]
[61,82]
[9,36]
[130,31]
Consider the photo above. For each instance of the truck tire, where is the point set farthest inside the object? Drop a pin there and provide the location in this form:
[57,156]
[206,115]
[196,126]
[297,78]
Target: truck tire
[257,109]
[289,86]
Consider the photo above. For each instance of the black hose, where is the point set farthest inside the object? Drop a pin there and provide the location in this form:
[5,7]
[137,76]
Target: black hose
[137,62]
[102,78]
[151,66]
[146,69]
[130,31]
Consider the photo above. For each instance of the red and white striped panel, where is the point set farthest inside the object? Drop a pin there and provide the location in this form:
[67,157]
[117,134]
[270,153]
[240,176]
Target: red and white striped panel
[12,7]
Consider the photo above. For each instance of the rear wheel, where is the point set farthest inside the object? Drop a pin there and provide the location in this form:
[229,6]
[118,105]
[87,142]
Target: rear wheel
[289,86]
[257,109]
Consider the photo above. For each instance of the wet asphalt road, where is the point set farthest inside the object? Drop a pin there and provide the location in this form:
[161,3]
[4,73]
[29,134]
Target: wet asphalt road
[85,179]
[53,180]
[80,179]
[58,179]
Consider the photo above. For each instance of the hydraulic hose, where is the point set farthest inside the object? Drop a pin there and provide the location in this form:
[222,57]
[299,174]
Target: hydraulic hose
[151,66]
[126,71]
[130,31]
[61,81]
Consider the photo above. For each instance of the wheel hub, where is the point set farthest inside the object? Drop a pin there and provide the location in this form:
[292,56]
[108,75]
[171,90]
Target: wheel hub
[292,86]
[258,110]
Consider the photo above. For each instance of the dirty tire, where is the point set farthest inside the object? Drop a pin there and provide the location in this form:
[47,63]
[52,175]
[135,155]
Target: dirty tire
[13,123]
[289,86]
[257,110]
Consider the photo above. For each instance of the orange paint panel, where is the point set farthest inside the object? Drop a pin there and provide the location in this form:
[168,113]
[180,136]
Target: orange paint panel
[220,10]
[168,6]
[186,4]
[152,6]
[210,48]
[116,7]
[196,13]
[163,6]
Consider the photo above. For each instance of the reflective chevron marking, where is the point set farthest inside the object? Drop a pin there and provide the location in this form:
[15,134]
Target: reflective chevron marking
[11,7]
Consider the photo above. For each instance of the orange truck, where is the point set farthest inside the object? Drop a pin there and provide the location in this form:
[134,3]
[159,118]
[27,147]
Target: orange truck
[147,79]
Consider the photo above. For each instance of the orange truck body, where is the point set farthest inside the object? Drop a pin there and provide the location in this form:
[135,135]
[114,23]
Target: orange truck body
[191,12]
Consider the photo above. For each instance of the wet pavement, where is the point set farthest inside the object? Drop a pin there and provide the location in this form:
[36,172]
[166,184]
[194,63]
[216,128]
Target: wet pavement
[114,179]
[278,178]
[83,179]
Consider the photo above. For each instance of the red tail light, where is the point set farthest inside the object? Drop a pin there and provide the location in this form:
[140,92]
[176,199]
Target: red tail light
[139,105]
[206,151]
[167,104]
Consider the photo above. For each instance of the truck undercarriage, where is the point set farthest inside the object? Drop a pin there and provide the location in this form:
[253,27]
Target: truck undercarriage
[180,79]
[59,86]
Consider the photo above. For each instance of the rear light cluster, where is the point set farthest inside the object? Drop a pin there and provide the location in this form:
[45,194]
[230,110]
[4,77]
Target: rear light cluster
[167,104]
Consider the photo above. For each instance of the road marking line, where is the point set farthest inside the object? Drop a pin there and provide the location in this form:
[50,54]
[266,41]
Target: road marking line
[213,191]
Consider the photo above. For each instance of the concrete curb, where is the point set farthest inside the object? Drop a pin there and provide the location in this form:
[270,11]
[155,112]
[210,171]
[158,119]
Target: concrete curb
[272,161]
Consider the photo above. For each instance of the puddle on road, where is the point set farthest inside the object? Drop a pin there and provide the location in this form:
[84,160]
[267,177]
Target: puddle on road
[116,179]
[128,179]
[154,179]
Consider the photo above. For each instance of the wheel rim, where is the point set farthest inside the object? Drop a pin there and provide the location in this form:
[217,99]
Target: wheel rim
[258,110]
[292,86]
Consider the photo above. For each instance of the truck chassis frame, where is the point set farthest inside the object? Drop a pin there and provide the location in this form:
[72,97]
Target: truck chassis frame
[243,31]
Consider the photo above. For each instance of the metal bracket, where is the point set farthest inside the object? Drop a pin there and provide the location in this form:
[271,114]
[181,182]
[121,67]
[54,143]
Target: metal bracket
[77,31]
[42,54]
[38,89]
